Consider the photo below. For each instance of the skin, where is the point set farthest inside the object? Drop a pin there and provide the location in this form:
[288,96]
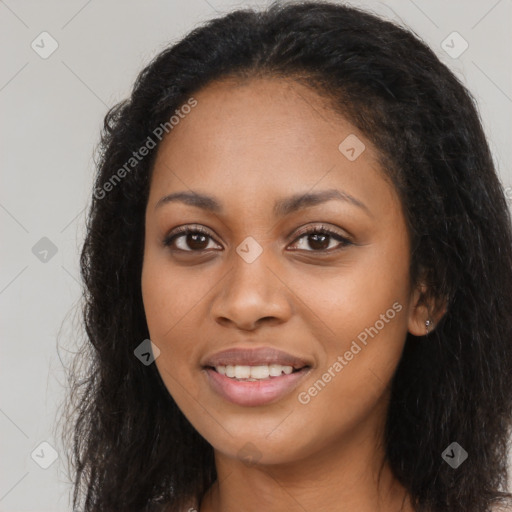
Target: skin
[249,144]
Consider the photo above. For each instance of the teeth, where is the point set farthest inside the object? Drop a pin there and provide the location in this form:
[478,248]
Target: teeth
[260,372]
[242,372]
[254,372]
[276,369]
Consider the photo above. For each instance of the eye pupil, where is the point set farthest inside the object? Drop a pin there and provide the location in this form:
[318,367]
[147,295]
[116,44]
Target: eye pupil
[317,241]
[196,240]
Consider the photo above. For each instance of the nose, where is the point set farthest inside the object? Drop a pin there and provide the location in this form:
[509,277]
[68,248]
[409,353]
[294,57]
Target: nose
[252,294]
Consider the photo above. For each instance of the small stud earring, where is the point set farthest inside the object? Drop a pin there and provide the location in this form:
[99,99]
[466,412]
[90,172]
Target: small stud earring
[429,325]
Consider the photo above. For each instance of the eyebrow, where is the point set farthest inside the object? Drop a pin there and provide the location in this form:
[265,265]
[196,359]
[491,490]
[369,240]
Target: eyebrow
[282,207]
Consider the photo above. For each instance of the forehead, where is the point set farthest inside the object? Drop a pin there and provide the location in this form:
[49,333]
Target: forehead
[232,112]
[255,138]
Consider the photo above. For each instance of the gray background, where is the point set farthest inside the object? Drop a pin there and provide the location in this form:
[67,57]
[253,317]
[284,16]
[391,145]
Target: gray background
[52,110]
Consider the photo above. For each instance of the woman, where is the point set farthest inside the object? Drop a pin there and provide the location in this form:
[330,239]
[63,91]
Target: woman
[298,207]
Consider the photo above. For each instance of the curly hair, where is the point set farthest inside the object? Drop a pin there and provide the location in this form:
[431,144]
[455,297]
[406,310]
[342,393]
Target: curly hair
[133,449]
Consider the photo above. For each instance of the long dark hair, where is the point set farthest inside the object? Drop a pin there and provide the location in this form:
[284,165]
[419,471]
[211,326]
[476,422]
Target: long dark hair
[132,447]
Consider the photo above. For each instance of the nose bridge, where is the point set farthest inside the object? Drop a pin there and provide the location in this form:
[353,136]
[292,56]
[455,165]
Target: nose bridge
[251,273]
[252,290]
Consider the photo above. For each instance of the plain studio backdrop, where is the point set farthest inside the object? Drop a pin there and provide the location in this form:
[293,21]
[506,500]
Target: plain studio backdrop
[64,64]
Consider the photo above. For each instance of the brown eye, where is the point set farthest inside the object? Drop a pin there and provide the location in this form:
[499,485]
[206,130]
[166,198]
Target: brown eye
[189,239]
[321,239]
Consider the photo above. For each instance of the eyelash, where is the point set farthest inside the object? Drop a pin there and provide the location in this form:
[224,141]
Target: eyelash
[186,230]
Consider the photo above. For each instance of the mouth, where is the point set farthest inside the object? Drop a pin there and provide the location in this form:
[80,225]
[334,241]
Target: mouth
[254,377]
[246,373]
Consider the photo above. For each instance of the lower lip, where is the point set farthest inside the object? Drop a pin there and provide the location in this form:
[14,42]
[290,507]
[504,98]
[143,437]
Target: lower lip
[254,393]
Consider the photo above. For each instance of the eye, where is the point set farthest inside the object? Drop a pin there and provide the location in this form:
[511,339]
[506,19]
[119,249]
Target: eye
[320,239]
[198,238]
[189,239]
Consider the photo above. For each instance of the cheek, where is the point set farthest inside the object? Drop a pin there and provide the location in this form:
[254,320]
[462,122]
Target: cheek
[169,295]
[364,308]
[173,299]
[352,382]
[340,303]
[379,279]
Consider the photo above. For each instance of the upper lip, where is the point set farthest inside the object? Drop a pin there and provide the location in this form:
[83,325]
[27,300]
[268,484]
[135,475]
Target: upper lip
[254,357]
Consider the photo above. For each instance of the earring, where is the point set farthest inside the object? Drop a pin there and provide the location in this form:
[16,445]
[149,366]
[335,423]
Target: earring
[429,325]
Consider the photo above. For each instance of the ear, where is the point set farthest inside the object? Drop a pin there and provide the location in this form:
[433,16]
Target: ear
[422,308]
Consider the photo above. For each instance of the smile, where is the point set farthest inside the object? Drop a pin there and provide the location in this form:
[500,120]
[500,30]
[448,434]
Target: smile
[254,373]
[262,389]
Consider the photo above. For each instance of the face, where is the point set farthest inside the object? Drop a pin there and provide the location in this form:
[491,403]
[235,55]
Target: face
[296,259]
